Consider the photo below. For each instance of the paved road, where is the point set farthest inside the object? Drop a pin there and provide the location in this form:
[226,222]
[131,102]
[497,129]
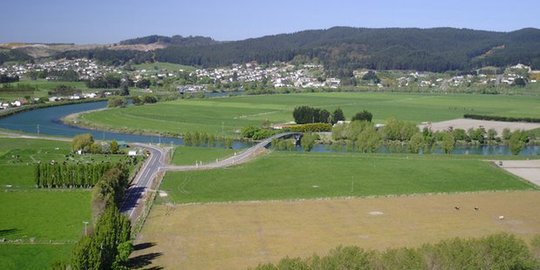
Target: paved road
[149,173]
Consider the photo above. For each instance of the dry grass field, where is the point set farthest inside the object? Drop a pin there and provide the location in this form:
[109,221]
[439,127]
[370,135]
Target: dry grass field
[244,234]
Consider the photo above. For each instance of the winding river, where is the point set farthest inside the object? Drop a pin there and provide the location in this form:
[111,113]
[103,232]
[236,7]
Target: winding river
[47,121]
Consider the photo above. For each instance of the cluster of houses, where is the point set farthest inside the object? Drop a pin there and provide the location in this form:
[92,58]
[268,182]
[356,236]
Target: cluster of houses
[277,75]
[507,77]
[85,68]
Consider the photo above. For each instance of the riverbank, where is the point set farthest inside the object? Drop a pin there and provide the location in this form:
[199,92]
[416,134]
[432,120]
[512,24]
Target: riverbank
[25,108]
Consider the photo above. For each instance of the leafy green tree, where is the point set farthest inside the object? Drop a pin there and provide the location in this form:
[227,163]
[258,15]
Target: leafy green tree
[448,142]
[125,90]
[137,100]
[308,141]
[416,143]
[363,116]
[337,116]
[114,147]
[516,142]
[397,130]
[116,102]
[369,140]
[82,142]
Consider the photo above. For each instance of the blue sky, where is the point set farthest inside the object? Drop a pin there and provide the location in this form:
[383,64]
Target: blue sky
[101,21]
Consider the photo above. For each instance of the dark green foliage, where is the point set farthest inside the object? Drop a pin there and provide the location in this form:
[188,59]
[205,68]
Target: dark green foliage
[176,40]
[306,114]
[109,245]
[149,99]
[8,79]
[143,83]
[337,116]
[502,118]
[371,76]
[100,250]
[125,90]
[499,251]
[363,116]
[314,127]
[69,174]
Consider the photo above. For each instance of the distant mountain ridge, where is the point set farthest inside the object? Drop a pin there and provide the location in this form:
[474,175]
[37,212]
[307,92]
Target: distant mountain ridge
[340,49]
[344,49]
[175,40]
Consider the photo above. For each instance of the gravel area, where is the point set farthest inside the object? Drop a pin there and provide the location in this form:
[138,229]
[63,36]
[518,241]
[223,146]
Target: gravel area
[526,169]
[471,123]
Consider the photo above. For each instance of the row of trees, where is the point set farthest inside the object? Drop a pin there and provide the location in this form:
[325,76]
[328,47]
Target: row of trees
[69,175]
[204,139]
[306,114]
[400,136]
[499,251]
[108,245]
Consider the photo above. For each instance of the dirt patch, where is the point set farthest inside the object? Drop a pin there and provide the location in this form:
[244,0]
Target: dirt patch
[526,169]
[472,123]
[241,235]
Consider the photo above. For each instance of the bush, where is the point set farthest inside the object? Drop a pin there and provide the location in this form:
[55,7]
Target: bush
[502,118]
[313,127]
[363,116]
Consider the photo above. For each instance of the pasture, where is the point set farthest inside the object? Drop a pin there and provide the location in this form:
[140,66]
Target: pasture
[18,156]
[39,226]
[163,66]
[32,256]
[184,155]
[41,88]
[226,116]
[290,175]
[244,234]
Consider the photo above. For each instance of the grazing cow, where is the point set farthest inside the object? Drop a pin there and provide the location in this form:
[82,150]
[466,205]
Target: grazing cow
[456,207]
[476,208]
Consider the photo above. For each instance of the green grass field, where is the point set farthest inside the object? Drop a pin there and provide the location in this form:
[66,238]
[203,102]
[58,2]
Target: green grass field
[228,115]
[17,158]
[184,155]
[43,86]
[285,175]
[163,66]
[39,225]
[30,257]
[44,215]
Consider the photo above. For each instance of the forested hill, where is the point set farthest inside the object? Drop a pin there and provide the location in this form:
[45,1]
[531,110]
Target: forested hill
[343,49]
[340,49]
[176,40]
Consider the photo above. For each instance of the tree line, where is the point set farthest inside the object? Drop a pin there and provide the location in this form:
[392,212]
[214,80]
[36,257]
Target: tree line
[204,139]
[307,114]
[69,174]
[498,251]
[403,136]
[108,244]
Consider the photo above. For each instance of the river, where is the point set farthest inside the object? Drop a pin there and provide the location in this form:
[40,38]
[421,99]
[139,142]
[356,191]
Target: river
[47,121]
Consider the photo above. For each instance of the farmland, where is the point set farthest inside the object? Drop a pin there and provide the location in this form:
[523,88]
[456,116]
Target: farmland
[39,226]
[190,155]
[244,234]
[225,116]
[284,175]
